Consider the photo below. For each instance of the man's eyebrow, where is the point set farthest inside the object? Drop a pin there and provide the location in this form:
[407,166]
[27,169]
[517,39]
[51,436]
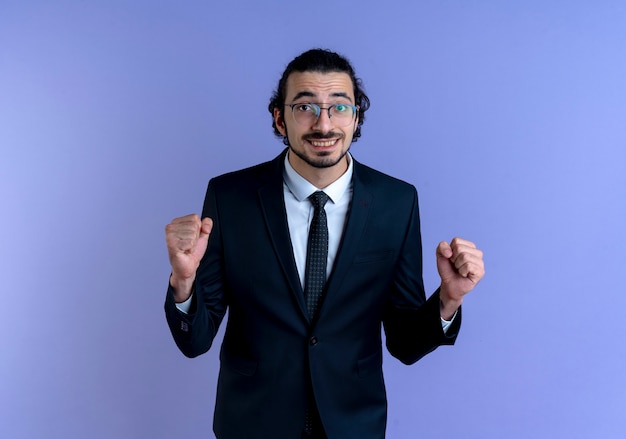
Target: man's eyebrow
[309,94]
[341,95]
[302,94]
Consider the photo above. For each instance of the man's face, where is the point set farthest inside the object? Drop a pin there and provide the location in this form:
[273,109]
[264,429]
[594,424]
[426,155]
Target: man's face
[323,142]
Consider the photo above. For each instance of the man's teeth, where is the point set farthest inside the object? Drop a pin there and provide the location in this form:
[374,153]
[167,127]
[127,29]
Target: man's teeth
[322,143]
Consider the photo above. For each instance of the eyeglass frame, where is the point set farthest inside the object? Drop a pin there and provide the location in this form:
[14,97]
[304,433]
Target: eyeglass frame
[355,110]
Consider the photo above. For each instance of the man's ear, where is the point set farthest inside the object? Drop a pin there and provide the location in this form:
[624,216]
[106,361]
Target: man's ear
[280,122]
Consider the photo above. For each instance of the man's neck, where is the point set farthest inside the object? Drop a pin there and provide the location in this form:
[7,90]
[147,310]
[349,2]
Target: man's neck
[319,177]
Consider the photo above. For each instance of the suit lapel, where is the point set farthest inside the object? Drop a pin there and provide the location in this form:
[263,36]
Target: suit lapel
[272,203]
[353,231]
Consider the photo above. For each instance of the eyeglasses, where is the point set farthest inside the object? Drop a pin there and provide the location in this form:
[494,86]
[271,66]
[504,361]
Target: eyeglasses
[307,113]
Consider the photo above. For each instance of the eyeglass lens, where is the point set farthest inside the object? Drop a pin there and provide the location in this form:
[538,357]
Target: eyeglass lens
[307,114]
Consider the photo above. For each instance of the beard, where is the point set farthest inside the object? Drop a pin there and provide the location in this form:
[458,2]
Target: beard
[322,159]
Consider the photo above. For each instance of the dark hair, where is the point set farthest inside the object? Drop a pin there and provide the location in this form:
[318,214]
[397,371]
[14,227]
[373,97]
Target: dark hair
[323,61]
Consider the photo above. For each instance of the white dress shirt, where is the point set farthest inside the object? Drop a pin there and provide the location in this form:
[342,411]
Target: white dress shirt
[296,191]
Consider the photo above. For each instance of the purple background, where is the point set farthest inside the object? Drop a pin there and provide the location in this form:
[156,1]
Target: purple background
[509,117]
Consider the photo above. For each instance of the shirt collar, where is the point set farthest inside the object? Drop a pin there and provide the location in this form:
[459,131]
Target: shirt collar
[302,188]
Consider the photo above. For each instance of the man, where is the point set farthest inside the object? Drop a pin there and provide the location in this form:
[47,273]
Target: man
[302,351]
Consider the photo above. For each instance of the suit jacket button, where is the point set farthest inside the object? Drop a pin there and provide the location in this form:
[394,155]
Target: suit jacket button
[313,341]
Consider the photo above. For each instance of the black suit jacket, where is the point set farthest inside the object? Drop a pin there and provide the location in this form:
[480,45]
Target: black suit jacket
[270,345]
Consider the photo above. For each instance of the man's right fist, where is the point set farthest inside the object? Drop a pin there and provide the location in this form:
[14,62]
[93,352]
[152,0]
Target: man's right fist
[186,238]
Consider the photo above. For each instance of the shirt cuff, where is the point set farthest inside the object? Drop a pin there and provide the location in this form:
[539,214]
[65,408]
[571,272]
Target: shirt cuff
[445,324]
[186,305]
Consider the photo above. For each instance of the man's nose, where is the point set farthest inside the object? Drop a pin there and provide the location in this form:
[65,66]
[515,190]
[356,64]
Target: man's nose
[324,122]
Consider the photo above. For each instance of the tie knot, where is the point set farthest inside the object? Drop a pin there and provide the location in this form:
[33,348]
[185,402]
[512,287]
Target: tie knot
[318,199]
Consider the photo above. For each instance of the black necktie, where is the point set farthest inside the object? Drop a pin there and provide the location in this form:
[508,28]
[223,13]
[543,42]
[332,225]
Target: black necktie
[316,254]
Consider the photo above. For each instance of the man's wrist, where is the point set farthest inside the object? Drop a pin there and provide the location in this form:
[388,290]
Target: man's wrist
[448,308]
[182,288]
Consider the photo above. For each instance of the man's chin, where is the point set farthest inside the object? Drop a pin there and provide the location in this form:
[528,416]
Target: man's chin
[323,159]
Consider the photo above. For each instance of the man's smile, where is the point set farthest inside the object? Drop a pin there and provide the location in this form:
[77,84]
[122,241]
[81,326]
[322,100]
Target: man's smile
[323,143]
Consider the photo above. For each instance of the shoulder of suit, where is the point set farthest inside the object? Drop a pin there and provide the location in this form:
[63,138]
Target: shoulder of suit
[263,172]
[372,177]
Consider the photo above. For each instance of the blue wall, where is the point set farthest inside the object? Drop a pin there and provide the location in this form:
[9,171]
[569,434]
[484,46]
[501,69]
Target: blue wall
[509,117]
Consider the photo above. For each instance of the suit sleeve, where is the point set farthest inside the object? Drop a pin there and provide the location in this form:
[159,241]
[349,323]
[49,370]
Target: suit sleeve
[194,332]
[413,324]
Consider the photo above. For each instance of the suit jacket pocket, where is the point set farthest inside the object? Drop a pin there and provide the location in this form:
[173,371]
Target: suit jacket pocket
[368,365]
[241,365]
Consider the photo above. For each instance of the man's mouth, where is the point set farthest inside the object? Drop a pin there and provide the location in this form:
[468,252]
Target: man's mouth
[326,140]
[322,143]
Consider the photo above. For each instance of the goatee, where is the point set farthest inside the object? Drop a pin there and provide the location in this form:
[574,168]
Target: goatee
[322,161]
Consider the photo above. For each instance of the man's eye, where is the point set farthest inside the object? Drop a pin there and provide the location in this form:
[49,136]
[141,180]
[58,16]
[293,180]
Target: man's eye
[342,108]
[305,108]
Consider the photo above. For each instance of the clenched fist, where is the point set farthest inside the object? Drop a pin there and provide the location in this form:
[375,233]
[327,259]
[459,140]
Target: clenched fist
[461,267]
[186,238]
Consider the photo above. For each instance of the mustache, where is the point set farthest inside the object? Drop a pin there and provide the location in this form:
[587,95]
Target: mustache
[322,136]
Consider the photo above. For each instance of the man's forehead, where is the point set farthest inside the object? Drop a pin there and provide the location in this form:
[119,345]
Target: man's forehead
[319,83]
